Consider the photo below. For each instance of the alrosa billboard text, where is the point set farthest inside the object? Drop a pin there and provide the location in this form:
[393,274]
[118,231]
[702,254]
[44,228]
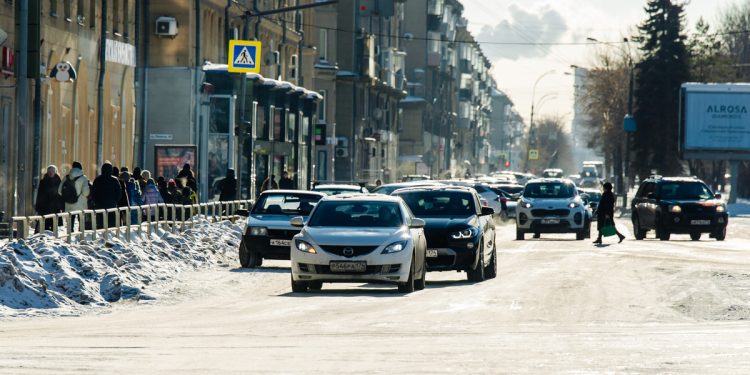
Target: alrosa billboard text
[717,121]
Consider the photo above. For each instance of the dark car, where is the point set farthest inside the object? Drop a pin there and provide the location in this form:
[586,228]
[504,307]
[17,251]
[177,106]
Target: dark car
[684,205]
[508,194]
[268,233]
[460,232]
[591,197]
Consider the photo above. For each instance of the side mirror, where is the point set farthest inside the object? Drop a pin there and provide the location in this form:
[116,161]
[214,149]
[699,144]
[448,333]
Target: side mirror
[487,211]
[651,196]
[417,223]
[585,197]
[717,196]
[297,221]
[243,212]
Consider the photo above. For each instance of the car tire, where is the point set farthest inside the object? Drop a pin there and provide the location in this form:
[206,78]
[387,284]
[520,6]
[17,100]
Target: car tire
[299,286]
[490,272]
[476,274]
[695,236]
[520,235]
[419,284]
[537,235]
[248,257]
[587,231]
[408,286]
[663,234]
[721,234]
[638,232]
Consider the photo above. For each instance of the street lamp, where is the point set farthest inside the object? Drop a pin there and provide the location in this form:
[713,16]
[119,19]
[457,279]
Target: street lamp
[531,117]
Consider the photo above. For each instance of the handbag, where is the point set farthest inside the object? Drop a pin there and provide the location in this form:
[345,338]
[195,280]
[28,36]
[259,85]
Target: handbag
[608,230]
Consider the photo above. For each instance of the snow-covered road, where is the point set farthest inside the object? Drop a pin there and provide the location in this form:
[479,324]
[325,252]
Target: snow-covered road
[557,306]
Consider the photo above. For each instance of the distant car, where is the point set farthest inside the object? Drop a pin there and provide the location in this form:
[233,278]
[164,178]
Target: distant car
[552,173]
[509,194]
[575,178]
[591,197]
[415,177]
[483,188]
[589,183]
[336,189]
[521,178]
[684,205]
[268,233]
[359,238]
[460,232]
[552,205]
[387,189]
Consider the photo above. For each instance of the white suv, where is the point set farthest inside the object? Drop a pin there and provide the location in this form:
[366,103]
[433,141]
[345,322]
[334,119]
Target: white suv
[552,205]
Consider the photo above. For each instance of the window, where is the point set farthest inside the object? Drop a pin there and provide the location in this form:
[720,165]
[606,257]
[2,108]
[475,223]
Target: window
[125,18]
[439,203]
[92,13]
[323,44]
[53,8]
[116,17]
[67,10]
[366,214]
[286,204]
[549,190]
[80,13]
[322,107]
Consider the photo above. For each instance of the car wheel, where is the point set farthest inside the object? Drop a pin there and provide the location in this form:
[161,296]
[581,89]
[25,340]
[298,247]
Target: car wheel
[537,235]
[663,234]
[315,285]
[580,235]
[520,235]
[695,236]
[299,286]
[248,257]
[721,234]
[420,283]
[490,272]
[587,231]
[637,231]
[476,274]
[408,286]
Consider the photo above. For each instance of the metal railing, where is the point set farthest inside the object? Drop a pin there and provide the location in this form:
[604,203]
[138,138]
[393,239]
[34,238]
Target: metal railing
[127,220]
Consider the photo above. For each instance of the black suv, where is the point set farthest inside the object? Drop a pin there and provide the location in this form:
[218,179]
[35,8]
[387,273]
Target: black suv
[682,205]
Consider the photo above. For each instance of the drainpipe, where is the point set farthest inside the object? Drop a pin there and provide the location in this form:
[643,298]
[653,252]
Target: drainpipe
[100,88]
[144,89]
[22,109]
[197,102]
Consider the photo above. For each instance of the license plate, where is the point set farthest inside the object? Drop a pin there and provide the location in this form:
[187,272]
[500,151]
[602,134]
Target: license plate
[550,221]
[432,253]
[700,222]
[348,266]
[285,243]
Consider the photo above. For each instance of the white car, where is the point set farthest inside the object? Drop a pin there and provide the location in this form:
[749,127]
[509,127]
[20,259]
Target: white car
[359,238]
[336,189]
[552,205]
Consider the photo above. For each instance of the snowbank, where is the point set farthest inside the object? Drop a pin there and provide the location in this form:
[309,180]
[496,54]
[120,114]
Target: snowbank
[47,273]
[739,209]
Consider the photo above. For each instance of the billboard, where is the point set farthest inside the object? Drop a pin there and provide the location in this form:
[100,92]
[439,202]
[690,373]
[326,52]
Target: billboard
[714,121]
[171,158]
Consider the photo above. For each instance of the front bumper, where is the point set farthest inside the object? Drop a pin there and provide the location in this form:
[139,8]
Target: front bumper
[694,223]
[391,268]
[262,244]
[457,255]
[574,221]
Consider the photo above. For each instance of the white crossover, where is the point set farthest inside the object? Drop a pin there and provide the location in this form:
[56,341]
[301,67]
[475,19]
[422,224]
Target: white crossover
[552,205]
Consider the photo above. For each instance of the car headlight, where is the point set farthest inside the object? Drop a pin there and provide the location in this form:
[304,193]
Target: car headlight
[258,231]
[675,209]
[526,204]
[394,247]
[304,247]
[463,234]
[721,208]
[573,205]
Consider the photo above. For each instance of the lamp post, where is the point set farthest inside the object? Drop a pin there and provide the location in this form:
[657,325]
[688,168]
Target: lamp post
[532,134]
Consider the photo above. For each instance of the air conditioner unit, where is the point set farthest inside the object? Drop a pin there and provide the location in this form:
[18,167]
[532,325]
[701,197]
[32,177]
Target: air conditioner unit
[342,152]
[342,147]
[342,142]
[166,26]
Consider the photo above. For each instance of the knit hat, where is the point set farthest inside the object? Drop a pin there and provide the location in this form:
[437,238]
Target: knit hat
[171,183]
[77,165]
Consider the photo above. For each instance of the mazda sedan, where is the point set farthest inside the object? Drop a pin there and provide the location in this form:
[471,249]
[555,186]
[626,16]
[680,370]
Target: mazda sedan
[359,238]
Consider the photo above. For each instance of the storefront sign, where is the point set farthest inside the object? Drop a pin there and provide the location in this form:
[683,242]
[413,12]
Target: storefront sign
[120,53]
[161,137]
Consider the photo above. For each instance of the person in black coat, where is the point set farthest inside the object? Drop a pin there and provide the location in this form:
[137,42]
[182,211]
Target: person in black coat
[106,191]
[228,187]
[48,200]
[605,212]
[286,182]
[189,177]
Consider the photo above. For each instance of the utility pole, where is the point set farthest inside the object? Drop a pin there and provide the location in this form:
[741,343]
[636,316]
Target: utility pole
[22,108]
[100,87]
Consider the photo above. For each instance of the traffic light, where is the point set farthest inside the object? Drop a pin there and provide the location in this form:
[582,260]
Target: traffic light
[320,134]
[507,164]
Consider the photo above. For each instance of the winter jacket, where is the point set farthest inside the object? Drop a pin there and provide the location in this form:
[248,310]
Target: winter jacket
[166,196]
[151,195]
[606,206]
[134,193]
[106,189]
[286,183]
[124,201]
[82,190]
[228,188]
[48,199]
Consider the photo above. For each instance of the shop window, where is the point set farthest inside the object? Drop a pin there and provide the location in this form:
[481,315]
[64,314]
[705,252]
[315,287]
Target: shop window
[290,124]
[262,122]
[278,124]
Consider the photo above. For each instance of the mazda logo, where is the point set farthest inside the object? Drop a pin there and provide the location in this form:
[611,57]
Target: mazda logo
[348,251]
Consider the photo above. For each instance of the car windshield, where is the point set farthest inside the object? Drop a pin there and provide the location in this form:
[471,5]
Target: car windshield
[685,190]
[357,214]
[285,204]
[549,190]
[439,203]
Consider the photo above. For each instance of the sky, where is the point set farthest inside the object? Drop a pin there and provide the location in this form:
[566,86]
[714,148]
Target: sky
[516,68]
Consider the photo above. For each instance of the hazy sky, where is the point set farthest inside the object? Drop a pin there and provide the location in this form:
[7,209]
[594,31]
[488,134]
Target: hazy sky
[517,67]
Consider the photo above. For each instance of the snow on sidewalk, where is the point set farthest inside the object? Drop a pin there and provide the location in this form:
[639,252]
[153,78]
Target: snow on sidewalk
[43,275]
[739,209]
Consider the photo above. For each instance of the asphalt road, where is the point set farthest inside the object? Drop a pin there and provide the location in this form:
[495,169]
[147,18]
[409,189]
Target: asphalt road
[557,306]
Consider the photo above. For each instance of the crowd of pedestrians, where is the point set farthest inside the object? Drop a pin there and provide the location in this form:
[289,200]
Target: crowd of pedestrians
[115,187]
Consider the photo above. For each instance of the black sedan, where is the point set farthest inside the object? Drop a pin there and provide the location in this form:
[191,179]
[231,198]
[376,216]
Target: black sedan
[460,232]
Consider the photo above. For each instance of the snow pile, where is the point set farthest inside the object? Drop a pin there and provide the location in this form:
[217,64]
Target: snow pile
[47,273]
[739,209]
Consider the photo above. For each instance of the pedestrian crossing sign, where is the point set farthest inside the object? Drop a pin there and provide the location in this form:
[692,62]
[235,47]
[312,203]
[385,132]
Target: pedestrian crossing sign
[244,56]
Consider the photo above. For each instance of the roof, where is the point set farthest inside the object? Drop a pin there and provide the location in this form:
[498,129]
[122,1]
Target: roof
[560,180]
[289,191]
[674,178]
[466,189]
[338,186]
[267,82]
[415,182]
[362,198]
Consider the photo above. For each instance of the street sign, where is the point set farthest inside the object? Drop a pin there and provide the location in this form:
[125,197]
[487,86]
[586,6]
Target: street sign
[533,154]
[244,56]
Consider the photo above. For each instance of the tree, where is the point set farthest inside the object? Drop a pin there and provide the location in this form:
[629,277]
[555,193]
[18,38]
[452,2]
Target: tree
[554,145]
[659,75]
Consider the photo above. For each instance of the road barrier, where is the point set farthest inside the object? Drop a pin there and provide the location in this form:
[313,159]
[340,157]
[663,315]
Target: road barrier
[126,220]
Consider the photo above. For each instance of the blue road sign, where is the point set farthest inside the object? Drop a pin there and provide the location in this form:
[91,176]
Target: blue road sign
[244,57]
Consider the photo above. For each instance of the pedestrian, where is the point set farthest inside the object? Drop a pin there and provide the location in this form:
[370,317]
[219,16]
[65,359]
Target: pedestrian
[286,182]
[161,185]
[378,182]
[228,187]
[124,201]
[269,184]
[48,200]
[151,193]
[605,213]
[74,191]
[134,195]
[176,196]
[106,192]
[187,174]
